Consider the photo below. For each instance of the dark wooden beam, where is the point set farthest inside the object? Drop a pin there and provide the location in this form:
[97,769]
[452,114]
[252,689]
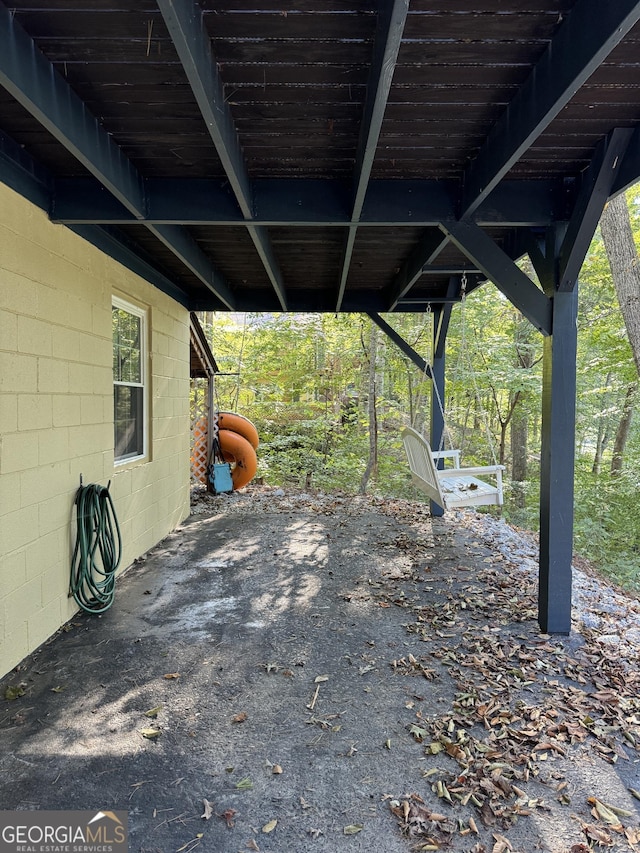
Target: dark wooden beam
[117,246]
[23,174]
[502,271]
[438,375]
[557,466]
[304,202]
[594,192]
[180,242]
[441,318]
[183,19]
[629,172]
[424,253]
[391,21]
[588,34]
[31,79]
[400,342]
[29,76]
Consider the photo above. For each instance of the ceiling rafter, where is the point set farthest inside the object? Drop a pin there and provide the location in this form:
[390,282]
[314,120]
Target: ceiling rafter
[31,79]
[574,53]
[385,53]
[183,19]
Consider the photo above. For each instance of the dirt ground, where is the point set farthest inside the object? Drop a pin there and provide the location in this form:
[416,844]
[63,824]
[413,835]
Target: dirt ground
[296,672]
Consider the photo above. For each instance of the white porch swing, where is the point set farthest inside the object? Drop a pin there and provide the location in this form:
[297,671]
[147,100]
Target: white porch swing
[451,488]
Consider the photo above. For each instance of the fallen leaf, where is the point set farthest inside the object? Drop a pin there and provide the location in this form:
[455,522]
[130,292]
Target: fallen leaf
[601,811]
[276,769]
[208,810]
[611,810]
[632,835]
[240,718]
[502,844]
[170,675]
[353,828]
[269,827]
[320,678]
[594,833]
[58,689]
[251,845]
[244,784]
[151,734]
[153,712]
[229,815]
[14,692]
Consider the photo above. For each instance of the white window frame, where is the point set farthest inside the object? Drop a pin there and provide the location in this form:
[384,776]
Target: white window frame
[142,314]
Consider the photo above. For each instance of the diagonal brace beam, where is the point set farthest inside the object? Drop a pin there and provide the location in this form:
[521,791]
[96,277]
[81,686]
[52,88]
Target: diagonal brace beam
[590,32]
[502,271]
[424,253]
[594,192]
[403,345]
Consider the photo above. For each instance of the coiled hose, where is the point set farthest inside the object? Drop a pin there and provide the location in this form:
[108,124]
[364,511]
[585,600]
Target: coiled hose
[97,551]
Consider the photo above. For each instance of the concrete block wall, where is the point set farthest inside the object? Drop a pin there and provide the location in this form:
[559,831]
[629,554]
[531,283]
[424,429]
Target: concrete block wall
[56,416]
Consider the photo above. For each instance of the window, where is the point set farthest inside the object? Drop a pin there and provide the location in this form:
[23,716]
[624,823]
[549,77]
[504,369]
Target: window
[129,392]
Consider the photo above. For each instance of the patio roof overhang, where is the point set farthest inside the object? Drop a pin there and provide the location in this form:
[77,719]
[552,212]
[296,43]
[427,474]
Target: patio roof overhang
[334,146]
[337,155]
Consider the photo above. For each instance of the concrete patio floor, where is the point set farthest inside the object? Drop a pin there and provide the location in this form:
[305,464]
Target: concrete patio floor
[334,665]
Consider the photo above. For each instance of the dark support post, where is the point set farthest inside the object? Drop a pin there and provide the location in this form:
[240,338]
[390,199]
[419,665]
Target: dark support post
[437,390]
[557,466]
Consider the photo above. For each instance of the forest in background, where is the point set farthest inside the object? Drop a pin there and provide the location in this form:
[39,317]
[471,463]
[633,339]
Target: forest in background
[330,393]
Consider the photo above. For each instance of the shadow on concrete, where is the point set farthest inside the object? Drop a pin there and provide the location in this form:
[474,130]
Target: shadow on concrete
[264,634]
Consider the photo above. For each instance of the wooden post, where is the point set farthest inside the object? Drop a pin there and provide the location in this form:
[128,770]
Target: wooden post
[437,389]
[557,466]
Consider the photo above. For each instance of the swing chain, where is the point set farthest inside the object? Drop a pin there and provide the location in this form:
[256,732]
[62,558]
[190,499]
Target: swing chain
[463,286]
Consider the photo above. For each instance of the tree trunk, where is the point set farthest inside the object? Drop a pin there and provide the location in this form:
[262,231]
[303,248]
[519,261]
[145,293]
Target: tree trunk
[519,450]
[603,428]
[622,432]
[372,463]
[524,360]
[617,235]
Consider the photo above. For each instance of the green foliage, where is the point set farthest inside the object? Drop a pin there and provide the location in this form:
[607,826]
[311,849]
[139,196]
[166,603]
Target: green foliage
[303,380]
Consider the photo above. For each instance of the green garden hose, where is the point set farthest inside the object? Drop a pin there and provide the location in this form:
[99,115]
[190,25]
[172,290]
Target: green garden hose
[97,551]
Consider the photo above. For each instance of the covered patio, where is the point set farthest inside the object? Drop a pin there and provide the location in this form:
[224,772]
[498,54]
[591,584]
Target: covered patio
[339,155]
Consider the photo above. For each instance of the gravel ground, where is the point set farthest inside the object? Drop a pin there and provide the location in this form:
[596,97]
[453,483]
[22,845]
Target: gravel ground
[302,672]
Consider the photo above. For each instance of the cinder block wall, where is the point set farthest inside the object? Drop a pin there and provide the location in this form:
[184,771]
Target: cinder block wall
[56,416]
